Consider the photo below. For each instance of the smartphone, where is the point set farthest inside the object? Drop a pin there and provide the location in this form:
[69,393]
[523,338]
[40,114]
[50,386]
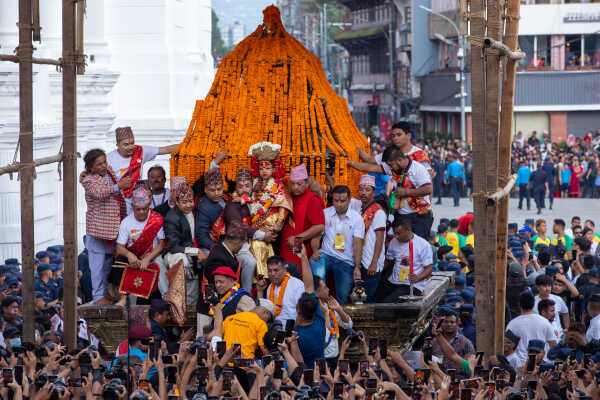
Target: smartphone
[586,359]
[19,374]
[597,378]
[322,365]
[154,347]
[491,388]
[202,354]
[531,362]
[338,390]
[426,374]
[573,254]
[264,392]
[209,291]
[244,362]
[373,342]
[500,384]
[221,349]
[7,375]
[466,394]
[363,367]
[439,324]
[167,359]
[74,382]
[479,357]
[391,394]
[383,348]
[171,372]
[452,374]
[343,365]
[470,383]
[144,385]
[279,337]
[371,386]
[227,376]
[580,373]
[298,244]
[202,373]
[267,360]
[289,327]
[278,373]
[309,377]
[84,370]
[419,377]
[427,353]
[531,386]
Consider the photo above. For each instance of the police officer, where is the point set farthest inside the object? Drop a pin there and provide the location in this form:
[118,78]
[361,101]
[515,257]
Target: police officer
[44,284]
[539,184]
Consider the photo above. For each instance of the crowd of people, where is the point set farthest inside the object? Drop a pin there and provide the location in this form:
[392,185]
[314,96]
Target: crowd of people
[269,263]
[544,169]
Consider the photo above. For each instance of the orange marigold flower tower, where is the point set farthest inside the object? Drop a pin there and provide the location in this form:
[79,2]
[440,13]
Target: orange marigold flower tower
[271,88]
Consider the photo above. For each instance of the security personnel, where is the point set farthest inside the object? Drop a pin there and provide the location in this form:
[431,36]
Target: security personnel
[455,175]
[44,284]
[539,185]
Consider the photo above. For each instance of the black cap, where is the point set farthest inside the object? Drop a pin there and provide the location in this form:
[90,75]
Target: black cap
[158,305]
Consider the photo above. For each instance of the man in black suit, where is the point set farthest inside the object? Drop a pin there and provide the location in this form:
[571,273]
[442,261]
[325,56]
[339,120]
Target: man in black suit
[179,227]
[222,255]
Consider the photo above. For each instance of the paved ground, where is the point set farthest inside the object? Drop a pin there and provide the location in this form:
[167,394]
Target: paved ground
[562,208]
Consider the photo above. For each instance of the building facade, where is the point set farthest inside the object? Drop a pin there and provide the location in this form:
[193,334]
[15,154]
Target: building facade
[236,32]
[147,64]
[557,84]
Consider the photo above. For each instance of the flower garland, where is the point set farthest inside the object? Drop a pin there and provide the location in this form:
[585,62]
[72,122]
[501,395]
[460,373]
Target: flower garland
[261,202]
[226,298]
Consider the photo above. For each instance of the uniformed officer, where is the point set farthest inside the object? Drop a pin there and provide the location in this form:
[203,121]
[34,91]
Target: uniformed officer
[44,284]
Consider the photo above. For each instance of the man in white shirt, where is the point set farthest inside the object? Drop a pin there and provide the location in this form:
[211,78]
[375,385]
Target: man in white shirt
[413,187]
[283,291]
[543,283]
[375,219]
[593,309]
[409,258]
[547,309]
[530,326]
[342,242]
[127,160]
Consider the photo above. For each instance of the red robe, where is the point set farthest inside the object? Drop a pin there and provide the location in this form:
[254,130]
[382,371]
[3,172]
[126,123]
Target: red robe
[308,211]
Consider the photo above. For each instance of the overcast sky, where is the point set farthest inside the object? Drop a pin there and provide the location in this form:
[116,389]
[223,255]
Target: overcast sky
[248,12]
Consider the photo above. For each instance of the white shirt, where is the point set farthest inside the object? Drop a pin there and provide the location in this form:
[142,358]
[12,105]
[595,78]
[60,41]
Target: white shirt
[377,224]
[419,176]
[120,165]
[593,331]
[293,291]
[158,199]
[131,229]
[351,225]
[559,308]
[332,349]
[529,327]
[422,257]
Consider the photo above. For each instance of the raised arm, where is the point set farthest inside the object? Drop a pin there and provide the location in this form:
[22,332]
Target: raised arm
[366,167]
[167,149]
[307,276]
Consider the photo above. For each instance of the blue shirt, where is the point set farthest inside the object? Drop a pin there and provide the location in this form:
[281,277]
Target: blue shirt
[381,181]
[565,176]
[311,338]
[523,175]
[455,170]
[49,289]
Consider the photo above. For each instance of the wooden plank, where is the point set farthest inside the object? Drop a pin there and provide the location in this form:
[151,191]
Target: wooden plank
[506,120]
[69,81]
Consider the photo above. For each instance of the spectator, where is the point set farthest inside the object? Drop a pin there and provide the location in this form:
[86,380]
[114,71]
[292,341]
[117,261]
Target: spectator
[459,343]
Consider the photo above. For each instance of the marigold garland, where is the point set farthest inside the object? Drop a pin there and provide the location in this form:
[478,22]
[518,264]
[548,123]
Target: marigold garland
[271,88]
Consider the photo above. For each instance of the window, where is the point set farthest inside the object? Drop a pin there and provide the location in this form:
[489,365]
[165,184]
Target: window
[538,51]
[573,51]
[526,44]
[591,45]
[544,50]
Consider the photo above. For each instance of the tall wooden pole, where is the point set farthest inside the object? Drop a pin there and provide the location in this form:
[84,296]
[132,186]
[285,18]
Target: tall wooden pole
[506,121]
[69,54]
[485,81]
[25,53]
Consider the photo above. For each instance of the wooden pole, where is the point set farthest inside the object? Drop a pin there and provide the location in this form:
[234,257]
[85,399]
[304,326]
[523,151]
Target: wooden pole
[25,52]
[69,80]
[506,120]
[12,168]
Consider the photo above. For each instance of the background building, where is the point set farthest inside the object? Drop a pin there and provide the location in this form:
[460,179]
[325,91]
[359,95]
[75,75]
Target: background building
[557,85]
[147,64]
[236,32]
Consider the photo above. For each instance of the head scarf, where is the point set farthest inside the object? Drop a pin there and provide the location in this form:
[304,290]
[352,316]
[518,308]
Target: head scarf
[140,197]
[123,132]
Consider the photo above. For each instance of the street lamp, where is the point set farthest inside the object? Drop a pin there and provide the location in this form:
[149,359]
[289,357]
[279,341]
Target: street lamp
[460,54]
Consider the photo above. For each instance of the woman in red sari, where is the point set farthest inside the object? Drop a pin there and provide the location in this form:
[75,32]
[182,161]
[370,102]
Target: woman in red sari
[576,174]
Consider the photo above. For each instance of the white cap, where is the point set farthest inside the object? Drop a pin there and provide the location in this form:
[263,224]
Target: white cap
[268,304]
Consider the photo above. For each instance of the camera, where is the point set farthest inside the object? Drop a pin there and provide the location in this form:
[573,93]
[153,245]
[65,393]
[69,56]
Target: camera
[210,294]
[112,390]
[59,386]
[353,335]
[358,294]
[140,395]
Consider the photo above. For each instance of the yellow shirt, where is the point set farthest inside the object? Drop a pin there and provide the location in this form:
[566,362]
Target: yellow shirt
[247,329]
[470,240]
[454,242]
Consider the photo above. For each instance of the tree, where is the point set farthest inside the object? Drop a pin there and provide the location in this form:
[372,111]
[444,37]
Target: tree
[218,45]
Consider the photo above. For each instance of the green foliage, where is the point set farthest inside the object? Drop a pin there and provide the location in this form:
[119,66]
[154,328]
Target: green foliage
[562,146]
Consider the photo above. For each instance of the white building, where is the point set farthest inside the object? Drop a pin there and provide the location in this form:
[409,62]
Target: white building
[236,32]
[147,64]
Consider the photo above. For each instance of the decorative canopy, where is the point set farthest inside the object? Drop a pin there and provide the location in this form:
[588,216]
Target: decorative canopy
[270,88]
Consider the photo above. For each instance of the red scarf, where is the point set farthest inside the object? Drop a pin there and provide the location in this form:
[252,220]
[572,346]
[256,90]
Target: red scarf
[134,171]
[418,204]
[369,214]
[143,244]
